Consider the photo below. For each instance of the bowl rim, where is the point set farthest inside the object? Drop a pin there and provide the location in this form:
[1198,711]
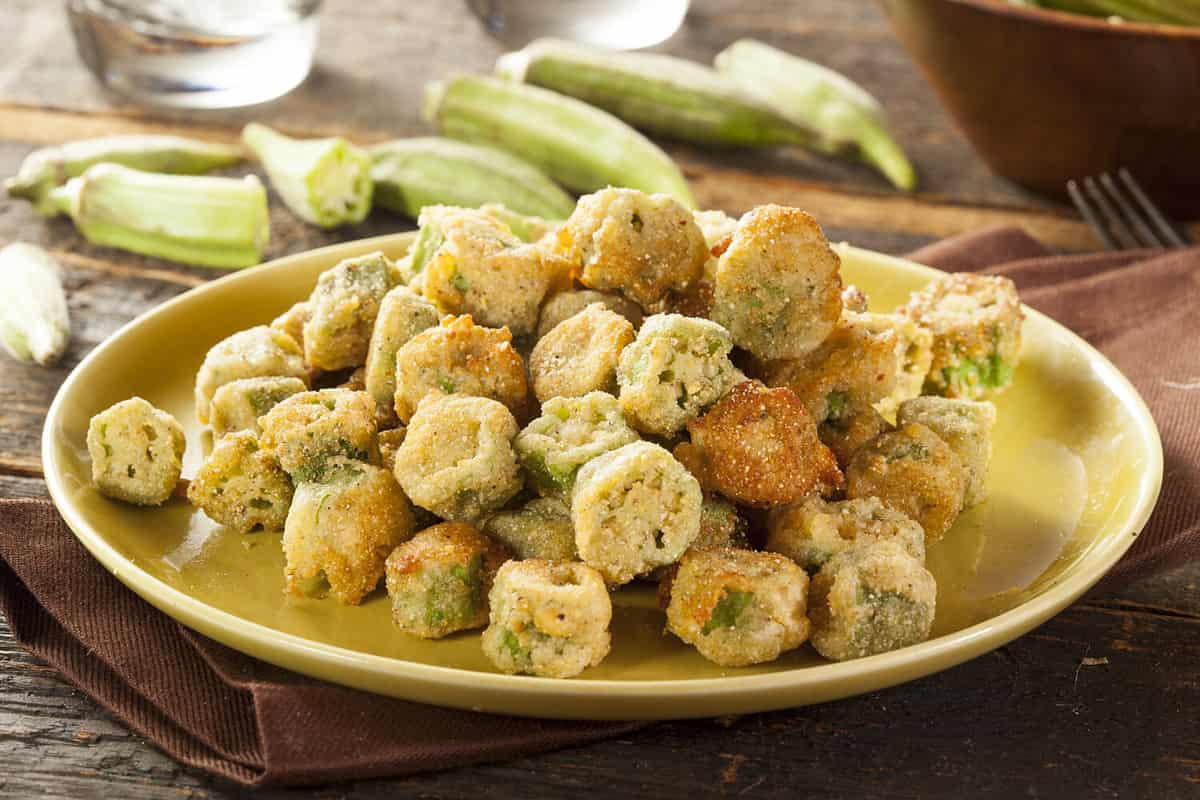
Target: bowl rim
[1079,22]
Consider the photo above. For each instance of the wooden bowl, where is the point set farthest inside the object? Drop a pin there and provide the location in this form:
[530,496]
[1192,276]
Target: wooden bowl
[1046,96]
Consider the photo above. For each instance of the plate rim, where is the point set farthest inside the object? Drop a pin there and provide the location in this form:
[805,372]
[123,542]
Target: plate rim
[623,696]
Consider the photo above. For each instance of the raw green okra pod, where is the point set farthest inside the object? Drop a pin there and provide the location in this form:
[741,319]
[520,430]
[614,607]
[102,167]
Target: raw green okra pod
[193,219]
[410,174]
[49,167]
[323,181]
[35,325]
[657,93]
[580,146]
[841,115]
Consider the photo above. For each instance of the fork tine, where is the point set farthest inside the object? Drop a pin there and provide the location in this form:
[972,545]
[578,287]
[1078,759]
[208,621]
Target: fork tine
[1130,213]
[1089,215]
[1116,224]
[1164,226]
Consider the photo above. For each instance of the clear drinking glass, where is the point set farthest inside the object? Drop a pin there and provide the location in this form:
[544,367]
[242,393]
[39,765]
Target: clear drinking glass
[197,53]
[615,24]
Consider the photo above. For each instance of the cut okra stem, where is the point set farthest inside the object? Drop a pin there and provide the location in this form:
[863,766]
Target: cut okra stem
[35,325]
[50,167]
[657,93]
[840,114]
[410,174]
[323,181]
[200,220]
[580,146]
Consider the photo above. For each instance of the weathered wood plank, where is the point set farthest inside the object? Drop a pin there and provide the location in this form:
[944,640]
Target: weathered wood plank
[21,486]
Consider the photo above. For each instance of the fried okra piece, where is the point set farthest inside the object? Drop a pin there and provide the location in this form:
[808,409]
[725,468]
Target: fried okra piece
[547,618]
[759,447]
[634,508]
[307,429]
[698,298]
[292,321]
[637,244]
[461,358]
[259,352]
[914,354]
[846,374]
[344,305]
[242,486]
[778,284]
[854,299]
[738,607]
[457,458]
[570,432]
[402,315]
[342,530]
[439,580]
[580,355]
[237,405]
[389,442]
[976,325]
[869,599]
[356,381]
[567,304]
[966,426]
[137,452]
[720,526]
[479,267]
[715,225]
[814,530]
[540,528]
[841,381]
[851,433]
[911,470]
[526,227]
[676,368]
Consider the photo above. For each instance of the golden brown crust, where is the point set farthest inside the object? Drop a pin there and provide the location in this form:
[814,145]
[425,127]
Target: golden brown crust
[759,447]
[856,363]
[846,437]
[567,303]
[778,283]
[914,472]
[446,541]
[580,354]
[640,245]
[460,357]
[976,325]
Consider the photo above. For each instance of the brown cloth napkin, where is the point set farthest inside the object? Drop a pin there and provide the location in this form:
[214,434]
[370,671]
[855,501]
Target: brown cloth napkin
[224,712]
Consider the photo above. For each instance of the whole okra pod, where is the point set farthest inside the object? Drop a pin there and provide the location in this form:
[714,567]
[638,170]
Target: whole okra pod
[50,167]
[580,146]
[841,115]
[35,325]
[410,174]
[193,219]
[657,93]
[323,181]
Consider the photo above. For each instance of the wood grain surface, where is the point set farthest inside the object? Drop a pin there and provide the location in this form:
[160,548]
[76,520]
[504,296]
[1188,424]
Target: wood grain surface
[1031,719]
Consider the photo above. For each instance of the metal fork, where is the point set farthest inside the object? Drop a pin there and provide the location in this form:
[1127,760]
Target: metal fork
[1122,214]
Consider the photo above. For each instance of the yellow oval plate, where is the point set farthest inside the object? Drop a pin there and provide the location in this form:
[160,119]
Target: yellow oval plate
[1076,472]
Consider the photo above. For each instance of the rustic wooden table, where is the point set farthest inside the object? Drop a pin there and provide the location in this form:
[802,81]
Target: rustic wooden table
[1030,718]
